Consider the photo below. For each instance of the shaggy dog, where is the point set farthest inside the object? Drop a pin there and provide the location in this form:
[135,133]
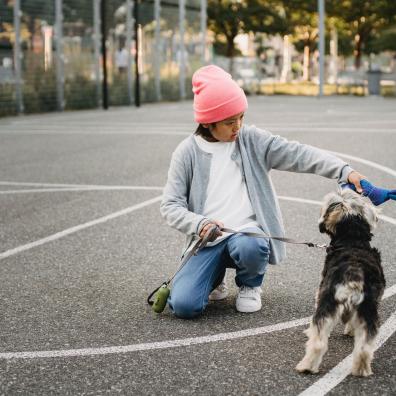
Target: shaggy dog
[352,282]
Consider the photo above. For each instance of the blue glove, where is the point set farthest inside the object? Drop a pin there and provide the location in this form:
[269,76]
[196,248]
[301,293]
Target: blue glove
[377,195]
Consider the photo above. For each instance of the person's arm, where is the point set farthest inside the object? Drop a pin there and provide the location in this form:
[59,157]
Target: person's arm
[174,205]
[293,156]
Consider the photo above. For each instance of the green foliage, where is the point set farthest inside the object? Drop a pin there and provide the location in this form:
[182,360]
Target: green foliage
[80,93]
[220,48]
[365,21]
[39,91]
[7,100]
[43,10]
[6,12]
[118,91]
[386,41]
[77,11]
[228,18]
[170,89]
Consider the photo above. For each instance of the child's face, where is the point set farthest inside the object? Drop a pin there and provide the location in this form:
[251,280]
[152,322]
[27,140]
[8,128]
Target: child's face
[228,129]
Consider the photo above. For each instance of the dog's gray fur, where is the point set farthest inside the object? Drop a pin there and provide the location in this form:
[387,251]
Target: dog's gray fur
[352,282]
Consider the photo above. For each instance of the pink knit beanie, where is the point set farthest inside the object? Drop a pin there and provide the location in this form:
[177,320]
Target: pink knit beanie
[216,95]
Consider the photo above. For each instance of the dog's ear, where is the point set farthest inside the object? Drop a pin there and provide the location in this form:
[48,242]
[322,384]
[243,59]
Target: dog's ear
[371,213]
[330,216]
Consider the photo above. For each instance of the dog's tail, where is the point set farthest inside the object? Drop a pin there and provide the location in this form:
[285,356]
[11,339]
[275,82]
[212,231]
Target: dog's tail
[350,292]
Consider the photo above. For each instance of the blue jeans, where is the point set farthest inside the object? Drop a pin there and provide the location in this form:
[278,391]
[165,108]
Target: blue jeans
[204,272]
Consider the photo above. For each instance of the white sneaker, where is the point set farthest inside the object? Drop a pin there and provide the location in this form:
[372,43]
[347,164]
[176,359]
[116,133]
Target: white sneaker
[248,299]
[220,293]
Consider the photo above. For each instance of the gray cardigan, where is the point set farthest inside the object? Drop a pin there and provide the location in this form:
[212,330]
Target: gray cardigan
[257,152]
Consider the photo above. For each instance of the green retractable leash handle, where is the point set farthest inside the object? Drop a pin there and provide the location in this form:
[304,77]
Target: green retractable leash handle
[161,294]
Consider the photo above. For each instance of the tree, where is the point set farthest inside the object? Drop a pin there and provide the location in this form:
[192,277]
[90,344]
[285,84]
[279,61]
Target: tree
[385,42]
[228,18]
[34,11]
[6,24]
[365,20]
[302,23]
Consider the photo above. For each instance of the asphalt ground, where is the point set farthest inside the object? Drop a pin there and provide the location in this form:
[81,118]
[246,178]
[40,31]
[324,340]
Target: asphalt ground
[82,244]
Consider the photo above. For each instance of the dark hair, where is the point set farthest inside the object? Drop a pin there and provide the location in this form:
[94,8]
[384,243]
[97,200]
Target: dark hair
[204,132]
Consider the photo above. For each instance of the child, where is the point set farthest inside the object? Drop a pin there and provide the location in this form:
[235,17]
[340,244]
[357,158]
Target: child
[220,175]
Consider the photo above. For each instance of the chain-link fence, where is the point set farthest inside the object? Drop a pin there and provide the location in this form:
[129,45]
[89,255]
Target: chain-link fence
[52,53]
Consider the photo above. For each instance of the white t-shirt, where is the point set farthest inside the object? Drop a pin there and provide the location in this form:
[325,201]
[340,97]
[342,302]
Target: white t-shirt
[227,198]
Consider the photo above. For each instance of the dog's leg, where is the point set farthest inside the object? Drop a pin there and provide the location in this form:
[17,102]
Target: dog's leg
[316,345]
[317,298]
[346,319]
[348,330]
[363,350]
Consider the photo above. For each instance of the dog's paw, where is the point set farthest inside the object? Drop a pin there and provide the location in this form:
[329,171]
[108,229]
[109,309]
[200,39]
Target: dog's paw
[361,366]
[305,367]
[362,371]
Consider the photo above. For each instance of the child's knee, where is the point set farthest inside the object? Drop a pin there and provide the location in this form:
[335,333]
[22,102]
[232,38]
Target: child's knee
[255,252]
[185,307]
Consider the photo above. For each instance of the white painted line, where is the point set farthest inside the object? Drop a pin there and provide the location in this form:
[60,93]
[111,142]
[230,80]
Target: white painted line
[13,183]
[80,227]
[65,189]
[69,231]
[389,292]
[82,186]
[158,345]
[300,200]
[177,130]
[342,370]
[333,129]
[387,219]
[167,344]
[96,131]
[366,162]
[155,345]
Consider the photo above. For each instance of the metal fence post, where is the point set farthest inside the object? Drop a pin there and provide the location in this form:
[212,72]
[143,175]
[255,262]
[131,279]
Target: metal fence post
[103,27]
[137,52]
[203,29]
[157,55]
[321,8]
[18,57]
[182,50]
[60,78]
[129,30]
[96,39]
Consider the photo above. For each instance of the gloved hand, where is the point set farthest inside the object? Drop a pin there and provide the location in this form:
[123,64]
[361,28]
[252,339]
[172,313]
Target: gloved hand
[377,195]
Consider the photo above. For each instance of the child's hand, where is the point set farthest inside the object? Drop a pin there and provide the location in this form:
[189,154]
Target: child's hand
[207,226]
[377,195]
[355,178]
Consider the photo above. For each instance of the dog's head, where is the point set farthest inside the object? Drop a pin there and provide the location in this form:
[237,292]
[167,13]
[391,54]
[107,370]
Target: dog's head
[344,208]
